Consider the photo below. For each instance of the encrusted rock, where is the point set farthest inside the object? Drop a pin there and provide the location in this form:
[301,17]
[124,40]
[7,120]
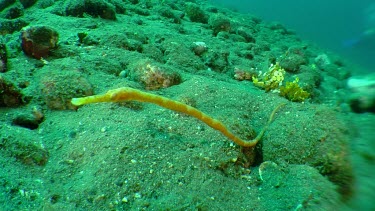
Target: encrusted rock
[58,88]
[154,76]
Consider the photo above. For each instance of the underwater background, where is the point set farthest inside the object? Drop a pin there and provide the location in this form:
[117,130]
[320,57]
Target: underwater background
[186,105]
[335,25]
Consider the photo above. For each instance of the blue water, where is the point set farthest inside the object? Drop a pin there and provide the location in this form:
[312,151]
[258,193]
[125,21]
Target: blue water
[335,25]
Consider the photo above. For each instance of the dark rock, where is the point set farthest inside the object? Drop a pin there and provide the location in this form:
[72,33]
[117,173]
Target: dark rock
[5,3]
[10,26]
[29,120]
[311,75]
[246,54]
[28,3]
[10,95]
[94,8]
[134,1]
[362,96]
[167,12]
[177,54]
[132,45]
[23,146]
[26,121]
[261,47]
[219,23]
[87,39]
[195,13]
[199,48]
[38,41]
[245,33]
[153,52]
[340,73]
[292,63]
[3,58]
[138,10]
[362,104]
[14,12]
[217,61]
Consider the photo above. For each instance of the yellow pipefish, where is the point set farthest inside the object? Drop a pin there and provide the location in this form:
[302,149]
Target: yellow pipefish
[129,94]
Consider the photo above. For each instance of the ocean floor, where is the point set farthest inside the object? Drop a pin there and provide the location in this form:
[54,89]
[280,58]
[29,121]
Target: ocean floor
[316,154]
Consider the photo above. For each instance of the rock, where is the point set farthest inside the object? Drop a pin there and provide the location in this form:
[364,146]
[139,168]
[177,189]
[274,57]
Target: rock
[10,26]
[320,138]
[28,3]
[195,13]
[5,4]
[153,75]
[322,60]
[310,79]
[29,120]
[305,187]
[168,13]
[38,41]
[292,62]
[177,54]
[362,97]
[271,173]
[219,23]
[94,8]
[58,88]
[14,12]
[3,58]
[217,61]
[23,146]
[199,48]
[10,95]
[246,34]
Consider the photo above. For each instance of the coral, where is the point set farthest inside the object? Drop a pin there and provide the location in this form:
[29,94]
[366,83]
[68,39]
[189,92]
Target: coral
[128,94]
[293,92]
[272,79]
